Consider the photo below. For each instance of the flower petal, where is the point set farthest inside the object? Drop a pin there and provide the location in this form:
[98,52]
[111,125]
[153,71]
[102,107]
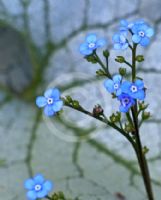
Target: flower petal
[123,109]
[117,78]
[138,95]
[48,186]
[91,38]
[136,38]
[116,38]
[38,179]
[31,195]
[52,93]
[84,48]
[125,46]
[57,106]
[149,32]
[125,87]
[29,184]
[117,46]
[145,41]
[100,43]
[139,83]
[42,193]
[48,111]
[41,101]
[118,92]
[124,22]
[109,85]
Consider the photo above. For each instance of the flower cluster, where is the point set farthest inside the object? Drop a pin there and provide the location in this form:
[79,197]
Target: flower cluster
[140,31]
[125,91]
[37,187]
[50,101]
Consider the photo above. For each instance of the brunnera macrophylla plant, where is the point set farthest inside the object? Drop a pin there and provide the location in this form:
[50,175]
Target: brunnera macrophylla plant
[130,91]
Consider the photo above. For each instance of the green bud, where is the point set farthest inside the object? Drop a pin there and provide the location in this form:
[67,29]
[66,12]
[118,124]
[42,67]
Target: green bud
[61,195]
[145,150]
[69,99]
[55,196]
[140,58]
[100,72]
[91,58]
[129,128]
[75,104]
[115,117]
[145,115]
[120,59]
[142,106]
[106,53]
[122,71]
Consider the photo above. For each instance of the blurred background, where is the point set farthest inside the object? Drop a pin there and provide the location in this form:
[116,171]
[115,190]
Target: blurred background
[39,42]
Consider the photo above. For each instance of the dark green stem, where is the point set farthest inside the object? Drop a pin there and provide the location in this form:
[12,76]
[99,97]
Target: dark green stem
[139,150]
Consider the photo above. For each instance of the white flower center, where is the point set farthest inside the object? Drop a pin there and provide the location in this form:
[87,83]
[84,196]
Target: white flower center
[133,88]
[50,100]
[116,86]
[141,33]
[91,45]
[38,187]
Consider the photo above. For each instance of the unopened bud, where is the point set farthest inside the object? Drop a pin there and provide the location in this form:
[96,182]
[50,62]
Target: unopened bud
[120,59]
[97,110]
[140,58]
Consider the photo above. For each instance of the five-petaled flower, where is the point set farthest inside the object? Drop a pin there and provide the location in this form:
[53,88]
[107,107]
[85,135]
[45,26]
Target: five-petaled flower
[134,90]
[120,42]
[141,33]
[50,101]
[113,86]
[37,187]
[126,102]
[91,43]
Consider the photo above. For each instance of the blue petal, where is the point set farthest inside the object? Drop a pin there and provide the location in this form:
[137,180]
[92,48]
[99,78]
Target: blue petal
[48,111]
[122,39]
[139,83]
[38,179]
[117,78]
[109,85]
[48,186]
[136,38]
[52,93]
[31,195]
[57,106]
[116,38]
[123,109]
[125,87]
[125,46]
[124,22]
[145,41]
[118,92]
[91,38]
[138,95]
[117,46]
[41,101]
[84,49]
[29,184]
[42,193]
[149,32]
[100,43]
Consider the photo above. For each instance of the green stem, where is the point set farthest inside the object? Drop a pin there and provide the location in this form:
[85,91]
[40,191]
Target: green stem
[139,150]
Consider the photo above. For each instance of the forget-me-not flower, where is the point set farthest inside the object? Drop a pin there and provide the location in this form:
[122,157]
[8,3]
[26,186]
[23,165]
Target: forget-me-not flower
[120,42]
[134,90]
[37,187]
[50,101]
[126,102]
[91,43]
[113,86]
[141,33]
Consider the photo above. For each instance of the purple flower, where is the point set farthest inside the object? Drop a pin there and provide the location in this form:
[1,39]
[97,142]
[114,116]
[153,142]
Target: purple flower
[50,101]
[126,102]
[91,43]
[37,187]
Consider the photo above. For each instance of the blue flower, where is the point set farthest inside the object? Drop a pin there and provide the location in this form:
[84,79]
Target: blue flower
[50,101]
[124,27]
[113,86]
[37,187]
[134,90]
[141,33]
[91,43]
[126,102]
[120,42]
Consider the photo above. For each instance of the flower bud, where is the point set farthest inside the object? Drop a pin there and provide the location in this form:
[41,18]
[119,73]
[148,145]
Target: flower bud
[97,110]
[120,59]
[145,115]
[91,58]
[69,99]
[106,53]
[140,58]
[75,104]
[122,71]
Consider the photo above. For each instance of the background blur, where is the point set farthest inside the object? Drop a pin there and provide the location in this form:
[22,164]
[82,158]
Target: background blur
[39,43]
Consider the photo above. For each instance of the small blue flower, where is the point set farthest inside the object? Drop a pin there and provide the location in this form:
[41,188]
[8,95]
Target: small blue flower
[113,86]
[91,43]
[50,101]
[134,90]
[141,33]
[120,42]
[126,102]
[37,187]
[124,27]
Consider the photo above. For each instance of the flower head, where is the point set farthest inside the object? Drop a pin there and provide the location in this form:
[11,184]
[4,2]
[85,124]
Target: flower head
[50,101]
[91,43]
[141,33]
[113,86]
[120,42]
[134,90]
[37,187]
[126,102]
